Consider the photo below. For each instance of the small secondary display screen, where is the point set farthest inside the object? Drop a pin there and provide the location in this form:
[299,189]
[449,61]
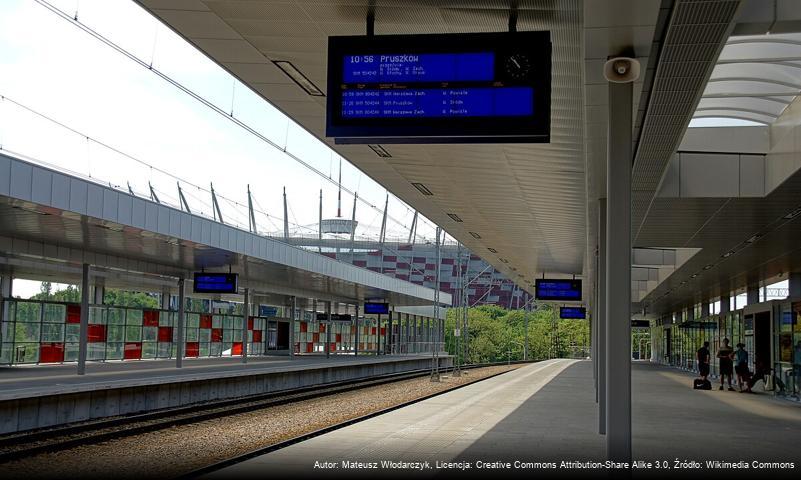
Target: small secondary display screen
[573,312]
[215,282]
[335,317]
[376,308]
[565,290]
[448,88]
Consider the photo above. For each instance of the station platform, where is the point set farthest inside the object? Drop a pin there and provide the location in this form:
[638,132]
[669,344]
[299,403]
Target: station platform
[546,412]
[47,395]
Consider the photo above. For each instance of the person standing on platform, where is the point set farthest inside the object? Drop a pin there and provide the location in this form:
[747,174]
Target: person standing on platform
[703,356]
[725,357]
[741,367]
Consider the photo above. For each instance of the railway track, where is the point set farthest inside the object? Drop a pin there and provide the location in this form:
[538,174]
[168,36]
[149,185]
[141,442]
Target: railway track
[306,436]
[27,444]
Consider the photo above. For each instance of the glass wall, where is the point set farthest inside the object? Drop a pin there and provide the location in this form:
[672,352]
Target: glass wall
[35,331]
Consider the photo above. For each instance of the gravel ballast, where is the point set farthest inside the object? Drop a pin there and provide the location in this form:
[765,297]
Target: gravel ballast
[182,449]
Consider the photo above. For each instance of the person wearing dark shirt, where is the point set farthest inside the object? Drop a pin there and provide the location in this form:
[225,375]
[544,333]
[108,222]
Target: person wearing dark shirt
[741,367]
[702,355]
[726,359]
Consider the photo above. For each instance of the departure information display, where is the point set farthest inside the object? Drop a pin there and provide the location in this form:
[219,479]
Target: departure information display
[451,88]
[565,290]
[376,308]
[215,282]
[577,313]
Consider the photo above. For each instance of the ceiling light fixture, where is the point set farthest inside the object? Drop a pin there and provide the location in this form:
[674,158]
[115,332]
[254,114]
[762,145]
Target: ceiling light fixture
[455,217]
[292,72]
[422,188]
[707,267]
[754,238]
[475,235]
[728,254]
[380,151]
[492,250]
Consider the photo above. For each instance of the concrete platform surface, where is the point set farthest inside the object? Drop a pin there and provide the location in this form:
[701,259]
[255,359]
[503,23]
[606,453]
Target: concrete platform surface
[546,412]
[40,380]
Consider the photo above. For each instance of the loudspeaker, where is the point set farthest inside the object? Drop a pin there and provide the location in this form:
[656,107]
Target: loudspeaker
[622,69]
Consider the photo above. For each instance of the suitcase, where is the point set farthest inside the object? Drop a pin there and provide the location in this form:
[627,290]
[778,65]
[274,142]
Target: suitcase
[701,384]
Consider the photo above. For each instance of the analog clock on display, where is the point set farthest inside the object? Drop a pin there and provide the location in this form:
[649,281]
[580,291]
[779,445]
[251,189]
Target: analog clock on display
[518,66]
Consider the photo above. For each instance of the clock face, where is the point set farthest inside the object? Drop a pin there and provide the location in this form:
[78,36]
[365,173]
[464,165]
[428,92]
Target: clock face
[517,66]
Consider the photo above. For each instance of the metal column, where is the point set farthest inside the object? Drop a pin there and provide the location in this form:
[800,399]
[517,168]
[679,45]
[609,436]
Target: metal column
[378,335]
[618,274]
[794,285]
[725,303]
[356,340]
[752,294]
[179,354]
[600,335]
[83,336]
[245,319]
[293,308]
[5,292]
[328,330]
[389,343]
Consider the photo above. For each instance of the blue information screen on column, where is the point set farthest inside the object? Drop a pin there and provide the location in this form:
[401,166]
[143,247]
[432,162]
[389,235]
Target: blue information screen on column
[557,289]
[215,282]
[577,313]
[454,88]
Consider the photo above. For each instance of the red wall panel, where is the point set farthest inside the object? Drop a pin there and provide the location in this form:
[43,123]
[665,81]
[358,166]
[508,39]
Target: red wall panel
[73,314]
[216,334]
[192,349]
[51,353]
[165,334]
[256,336]
[205,321]
[133,351]
[96,333]
[150,318]
[236,349]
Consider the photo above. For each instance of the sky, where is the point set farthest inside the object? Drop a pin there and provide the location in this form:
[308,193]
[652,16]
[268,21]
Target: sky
[55,68]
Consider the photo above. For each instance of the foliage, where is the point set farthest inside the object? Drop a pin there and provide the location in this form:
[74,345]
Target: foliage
[496,334]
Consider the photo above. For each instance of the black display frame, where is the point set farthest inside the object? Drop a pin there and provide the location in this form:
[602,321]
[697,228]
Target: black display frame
[486,129]
[574,285]
[230,278]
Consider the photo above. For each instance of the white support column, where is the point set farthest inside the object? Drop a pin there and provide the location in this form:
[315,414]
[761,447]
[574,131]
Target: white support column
[618,274]
[245,319]
[83,336]
[181,321]
[356,336]
[327,347]
[99,293]
[5,292]
[293,308]
[389,343]
[600,315]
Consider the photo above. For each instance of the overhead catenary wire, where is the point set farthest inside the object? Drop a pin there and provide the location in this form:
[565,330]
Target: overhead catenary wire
[98,36]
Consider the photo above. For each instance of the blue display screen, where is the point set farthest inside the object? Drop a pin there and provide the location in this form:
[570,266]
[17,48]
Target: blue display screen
[376,308]
[489,87]
[558,289]
[425,67]
[215,282]
[573,312]
[438,102]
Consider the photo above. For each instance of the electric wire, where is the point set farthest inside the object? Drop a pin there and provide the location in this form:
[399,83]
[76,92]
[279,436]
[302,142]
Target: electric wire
[74,20]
